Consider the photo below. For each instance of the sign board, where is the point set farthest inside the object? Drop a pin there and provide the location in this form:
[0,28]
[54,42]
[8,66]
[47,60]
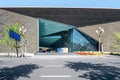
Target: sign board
[14,35]
[65,50]
[59,50]
[62,50]
[26,41]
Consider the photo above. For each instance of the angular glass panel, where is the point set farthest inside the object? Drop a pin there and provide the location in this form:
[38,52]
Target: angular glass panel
[48,27]
[82,42]
[47,41]
[57,35]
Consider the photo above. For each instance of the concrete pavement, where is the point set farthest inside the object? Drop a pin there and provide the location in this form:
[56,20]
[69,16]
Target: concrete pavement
[60,68]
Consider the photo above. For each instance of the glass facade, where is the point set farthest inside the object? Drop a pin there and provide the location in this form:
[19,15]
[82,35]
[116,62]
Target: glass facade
[82,42]
[58,35]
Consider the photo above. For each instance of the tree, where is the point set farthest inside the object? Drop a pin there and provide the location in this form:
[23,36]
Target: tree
[116,41]
[6,40]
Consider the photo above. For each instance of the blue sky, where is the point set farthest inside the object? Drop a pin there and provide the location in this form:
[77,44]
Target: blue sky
[61,3]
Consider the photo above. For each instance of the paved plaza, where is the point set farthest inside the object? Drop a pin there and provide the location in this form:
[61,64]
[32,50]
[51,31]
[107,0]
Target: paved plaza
[56,67]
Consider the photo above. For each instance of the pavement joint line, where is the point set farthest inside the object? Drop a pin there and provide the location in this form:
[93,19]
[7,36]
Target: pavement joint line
[53,66]
[55,76]
[4,65]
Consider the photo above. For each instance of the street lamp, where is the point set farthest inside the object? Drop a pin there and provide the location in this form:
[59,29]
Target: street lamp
[22,31]
[99,32]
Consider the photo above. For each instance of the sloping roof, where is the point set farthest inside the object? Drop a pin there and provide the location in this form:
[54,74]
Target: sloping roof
[74,16]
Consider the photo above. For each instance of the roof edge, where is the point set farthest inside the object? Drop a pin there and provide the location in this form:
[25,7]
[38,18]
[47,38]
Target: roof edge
[56,7]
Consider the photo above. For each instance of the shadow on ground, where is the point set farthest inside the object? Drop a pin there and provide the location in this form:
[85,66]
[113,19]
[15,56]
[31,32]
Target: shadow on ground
[95,71]
[16,72]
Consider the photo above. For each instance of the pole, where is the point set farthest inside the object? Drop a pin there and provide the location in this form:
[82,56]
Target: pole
[22,31]
[99,46]
[25,50]
[99,33]
[16,48]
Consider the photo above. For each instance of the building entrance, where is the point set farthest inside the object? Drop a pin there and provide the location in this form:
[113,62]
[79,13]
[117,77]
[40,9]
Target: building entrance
[59,37]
